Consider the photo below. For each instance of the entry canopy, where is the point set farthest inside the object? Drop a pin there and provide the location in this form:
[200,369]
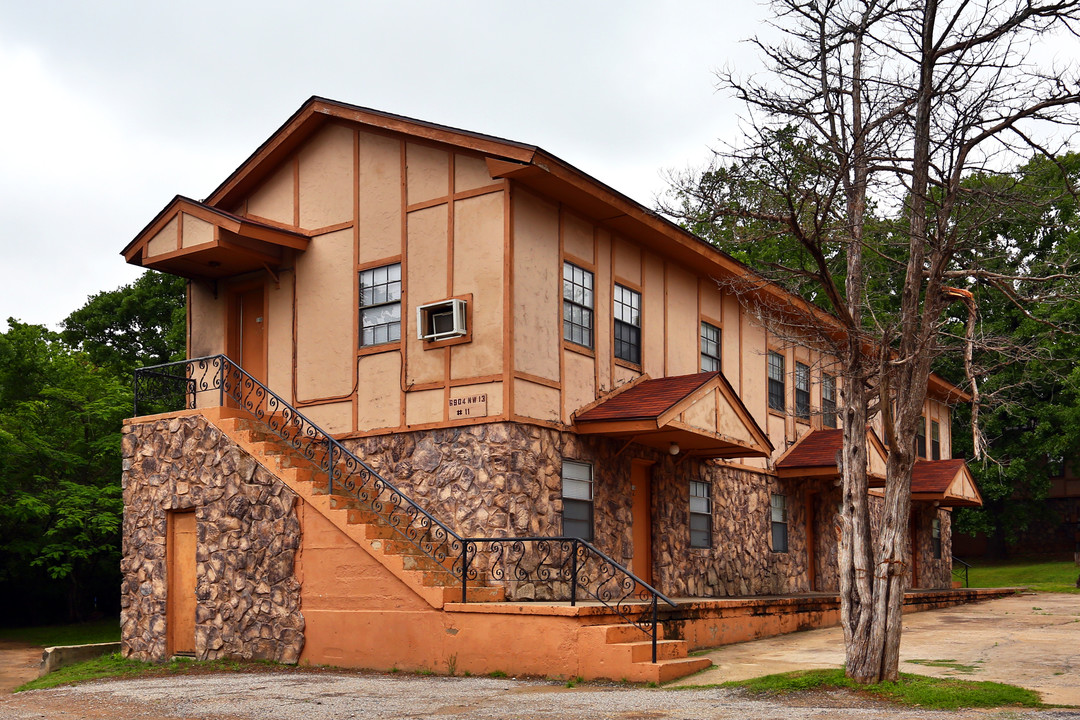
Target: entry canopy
[816,452]
[193,240]
[699,413]
[946,482]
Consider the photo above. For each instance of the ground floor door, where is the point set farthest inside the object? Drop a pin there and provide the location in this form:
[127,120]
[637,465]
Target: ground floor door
[641,517]
[180,574]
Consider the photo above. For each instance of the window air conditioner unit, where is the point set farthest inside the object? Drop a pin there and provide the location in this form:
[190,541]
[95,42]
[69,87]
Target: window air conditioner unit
[440,320]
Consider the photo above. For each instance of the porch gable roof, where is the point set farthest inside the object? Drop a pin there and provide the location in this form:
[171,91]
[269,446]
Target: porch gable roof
[947,482]
[701,413]
[814,455]
[194,240]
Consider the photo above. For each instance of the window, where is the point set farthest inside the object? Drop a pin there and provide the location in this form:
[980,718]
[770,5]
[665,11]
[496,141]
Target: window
[935,440]
[776,381]
[577,494]
[710,347]
[802,391]
[700,515]
[920,438]
[577,305]
[627,324]
[828,401]
[380,305]
[778,510]
[935,537]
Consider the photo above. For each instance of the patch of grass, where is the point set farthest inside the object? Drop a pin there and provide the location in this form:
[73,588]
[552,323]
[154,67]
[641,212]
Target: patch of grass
[496,674]
[98,631]
[951,664]
[926,692]
[116,666]
[1040,575]
[107,666]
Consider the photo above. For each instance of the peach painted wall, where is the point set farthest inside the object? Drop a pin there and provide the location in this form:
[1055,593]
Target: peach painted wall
[370,199]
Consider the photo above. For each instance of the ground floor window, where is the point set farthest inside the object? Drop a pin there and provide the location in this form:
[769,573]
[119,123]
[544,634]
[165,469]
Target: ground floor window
[700,515]
[779,517]
[577,499]
[935,537]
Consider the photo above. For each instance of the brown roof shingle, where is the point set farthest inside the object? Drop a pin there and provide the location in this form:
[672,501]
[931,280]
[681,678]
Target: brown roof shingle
[815,449]
[647,400]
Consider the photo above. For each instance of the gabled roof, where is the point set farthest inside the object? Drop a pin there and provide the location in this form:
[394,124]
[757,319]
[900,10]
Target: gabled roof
[815,453]
[947,482]
[531,167]
[195,240]
[700,413]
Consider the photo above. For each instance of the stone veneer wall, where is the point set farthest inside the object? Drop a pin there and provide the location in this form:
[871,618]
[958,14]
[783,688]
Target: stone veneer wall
[503,479]
[248,598]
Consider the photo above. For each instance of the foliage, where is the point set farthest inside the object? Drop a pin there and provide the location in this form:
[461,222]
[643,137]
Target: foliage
[1038,575]
[1029,375]
[63,398]
[95,631]
[138,324]
[60,505]
[925,692]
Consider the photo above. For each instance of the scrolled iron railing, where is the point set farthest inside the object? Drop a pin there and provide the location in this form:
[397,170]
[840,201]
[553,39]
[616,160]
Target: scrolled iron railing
[541,568]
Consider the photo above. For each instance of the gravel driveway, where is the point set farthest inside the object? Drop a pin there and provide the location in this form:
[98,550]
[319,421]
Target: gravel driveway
[393,697]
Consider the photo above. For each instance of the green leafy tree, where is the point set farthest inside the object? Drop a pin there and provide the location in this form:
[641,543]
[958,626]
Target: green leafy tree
[60,506]
[138,324]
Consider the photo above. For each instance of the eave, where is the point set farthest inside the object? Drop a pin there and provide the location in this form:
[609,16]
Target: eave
[677,411]
[193,240]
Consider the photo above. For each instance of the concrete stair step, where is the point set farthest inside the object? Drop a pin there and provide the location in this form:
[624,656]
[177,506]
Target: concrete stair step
[641,652]
[668,670]
[627,633]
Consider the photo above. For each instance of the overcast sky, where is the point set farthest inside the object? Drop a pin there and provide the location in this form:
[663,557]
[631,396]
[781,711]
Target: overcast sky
[111,108]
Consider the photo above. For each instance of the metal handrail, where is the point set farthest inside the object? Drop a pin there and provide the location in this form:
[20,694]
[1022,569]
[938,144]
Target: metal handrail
[354,477]
[966,568]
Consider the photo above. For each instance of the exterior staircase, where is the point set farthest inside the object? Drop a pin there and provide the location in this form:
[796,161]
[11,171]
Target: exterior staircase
[615,651]
[400,556]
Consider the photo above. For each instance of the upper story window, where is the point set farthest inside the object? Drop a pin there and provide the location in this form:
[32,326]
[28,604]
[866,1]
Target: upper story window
[828,401]
[577,499]
[777,390]
[802,391]
[920,438]
[380,305]
[627,324]
[700,515]
[577,305]
[710,347]
[935,440]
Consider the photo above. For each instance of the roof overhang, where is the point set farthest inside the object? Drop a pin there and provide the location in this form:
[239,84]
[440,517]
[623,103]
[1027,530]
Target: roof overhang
[948,483]
[699,413]
[815,455]
[193,240]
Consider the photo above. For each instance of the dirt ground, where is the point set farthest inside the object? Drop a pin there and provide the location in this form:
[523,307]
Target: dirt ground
[1028,640]
[19,664]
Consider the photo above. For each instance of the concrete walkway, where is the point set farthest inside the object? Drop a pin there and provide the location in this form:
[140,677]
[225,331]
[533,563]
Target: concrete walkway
[1031,640]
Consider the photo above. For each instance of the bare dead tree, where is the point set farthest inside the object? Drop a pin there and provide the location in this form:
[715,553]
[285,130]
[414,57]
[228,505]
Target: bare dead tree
[862,140]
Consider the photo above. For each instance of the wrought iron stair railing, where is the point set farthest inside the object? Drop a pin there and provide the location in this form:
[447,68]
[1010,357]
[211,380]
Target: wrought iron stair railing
[961,571]
[542,568]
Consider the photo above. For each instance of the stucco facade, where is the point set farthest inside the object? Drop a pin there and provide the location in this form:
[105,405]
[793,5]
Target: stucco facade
[314,266]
